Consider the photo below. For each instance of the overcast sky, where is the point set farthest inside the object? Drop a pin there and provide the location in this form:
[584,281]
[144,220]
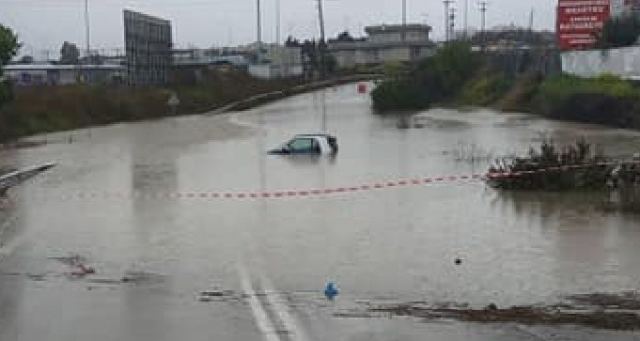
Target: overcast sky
[45,24]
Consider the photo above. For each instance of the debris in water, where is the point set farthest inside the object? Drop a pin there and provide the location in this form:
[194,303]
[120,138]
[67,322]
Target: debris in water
[458,261]
[331,291]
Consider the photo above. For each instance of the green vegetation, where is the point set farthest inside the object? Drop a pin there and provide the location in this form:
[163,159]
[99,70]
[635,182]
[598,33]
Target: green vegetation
[53,108]
[604,100]
[8,48]
[589,175]
[620,32]
[457,76]
[435,80]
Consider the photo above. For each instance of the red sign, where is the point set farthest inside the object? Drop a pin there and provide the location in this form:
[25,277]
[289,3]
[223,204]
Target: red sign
[580,22]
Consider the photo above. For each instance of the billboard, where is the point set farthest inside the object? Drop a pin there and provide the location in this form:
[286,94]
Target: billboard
[579,22]
[148,44]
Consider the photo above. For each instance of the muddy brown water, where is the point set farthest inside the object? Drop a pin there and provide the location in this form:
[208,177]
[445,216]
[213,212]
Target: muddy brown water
[394,245]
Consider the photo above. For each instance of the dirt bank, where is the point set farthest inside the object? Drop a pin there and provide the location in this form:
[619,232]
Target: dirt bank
[598,310]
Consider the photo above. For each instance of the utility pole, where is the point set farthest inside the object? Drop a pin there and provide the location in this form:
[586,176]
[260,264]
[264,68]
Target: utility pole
[404,20]
[258,23]
[466,19]
[452,24]
[321,44]
[87,27]
[277,22]
[483,12]
[531,25]
[446,3]
[259,32]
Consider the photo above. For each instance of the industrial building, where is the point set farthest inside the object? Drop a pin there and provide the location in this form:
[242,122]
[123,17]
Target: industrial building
[383,44]
[49,74]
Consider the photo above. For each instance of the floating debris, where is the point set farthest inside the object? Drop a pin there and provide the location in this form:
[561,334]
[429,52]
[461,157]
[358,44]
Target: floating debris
[331,291]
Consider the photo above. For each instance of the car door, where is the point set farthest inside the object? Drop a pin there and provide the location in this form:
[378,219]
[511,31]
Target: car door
[301,146]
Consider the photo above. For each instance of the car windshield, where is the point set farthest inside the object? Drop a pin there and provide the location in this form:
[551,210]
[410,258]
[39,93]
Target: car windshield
[319,170]
[301,145]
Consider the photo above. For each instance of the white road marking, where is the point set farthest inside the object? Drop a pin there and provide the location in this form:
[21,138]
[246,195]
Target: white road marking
[259,314]
[275,300]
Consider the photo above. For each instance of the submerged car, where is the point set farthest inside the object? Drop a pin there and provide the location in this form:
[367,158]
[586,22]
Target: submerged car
[310,144]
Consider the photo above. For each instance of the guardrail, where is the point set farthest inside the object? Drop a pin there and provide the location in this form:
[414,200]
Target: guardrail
[15,178]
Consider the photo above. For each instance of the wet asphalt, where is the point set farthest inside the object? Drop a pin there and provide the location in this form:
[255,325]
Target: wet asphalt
[171,264]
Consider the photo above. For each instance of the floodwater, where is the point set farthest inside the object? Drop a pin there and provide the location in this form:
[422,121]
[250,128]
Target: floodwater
[119,200]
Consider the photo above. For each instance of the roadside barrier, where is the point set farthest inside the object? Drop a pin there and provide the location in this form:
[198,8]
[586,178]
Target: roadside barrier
[314,192]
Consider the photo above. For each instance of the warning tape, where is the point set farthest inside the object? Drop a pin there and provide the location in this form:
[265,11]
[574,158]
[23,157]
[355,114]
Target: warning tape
[334,191]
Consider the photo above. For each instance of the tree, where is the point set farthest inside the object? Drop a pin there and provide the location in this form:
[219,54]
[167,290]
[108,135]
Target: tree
[345,37]
[69,54]
[25,60]
[620,31]
[8,48]
[8,45]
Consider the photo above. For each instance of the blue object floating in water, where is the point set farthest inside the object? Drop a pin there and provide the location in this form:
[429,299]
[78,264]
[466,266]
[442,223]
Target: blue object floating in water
[330,291]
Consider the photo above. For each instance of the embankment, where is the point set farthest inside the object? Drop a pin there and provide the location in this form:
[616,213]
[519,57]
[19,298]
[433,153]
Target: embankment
[458,77]
[43,109]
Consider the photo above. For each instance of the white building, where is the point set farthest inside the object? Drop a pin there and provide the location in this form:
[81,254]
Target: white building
[276,61]
[384,43]
[49,74]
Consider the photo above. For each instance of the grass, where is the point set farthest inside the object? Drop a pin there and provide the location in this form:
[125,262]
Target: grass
[54,108]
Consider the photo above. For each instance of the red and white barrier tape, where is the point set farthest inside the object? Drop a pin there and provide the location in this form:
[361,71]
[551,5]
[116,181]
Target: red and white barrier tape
[306,193]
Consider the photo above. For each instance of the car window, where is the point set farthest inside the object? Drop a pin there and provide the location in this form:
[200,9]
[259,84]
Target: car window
[301,145]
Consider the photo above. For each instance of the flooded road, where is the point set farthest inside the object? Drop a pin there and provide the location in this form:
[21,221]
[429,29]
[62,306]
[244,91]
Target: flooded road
[172,266]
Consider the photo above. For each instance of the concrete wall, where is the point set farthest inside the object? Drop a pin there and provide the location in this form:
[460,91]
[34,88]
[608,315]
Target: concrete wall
[623,62]
[271,71]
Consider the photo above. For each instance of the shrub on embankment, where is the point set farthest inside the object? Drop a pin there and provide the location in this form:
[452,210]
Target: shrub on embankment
[434,80]
[604,100]
[457,76]
[53,108]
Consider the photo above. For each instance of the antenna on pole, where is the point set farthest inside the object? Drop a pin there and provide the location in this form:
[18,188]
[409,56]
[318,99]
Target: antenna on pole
[447,4]
[87,27]
[483,10]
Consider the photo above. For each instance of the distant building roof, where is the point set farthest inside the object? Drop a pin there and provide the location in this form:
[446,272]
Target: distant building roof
[396,28]
[368,45]
[53,67]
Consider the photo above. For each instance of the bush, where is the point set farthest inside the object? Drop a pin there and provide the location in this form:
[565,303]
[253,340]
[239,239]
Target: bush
[620,32]
[435,79]
[485,89]
[604,100]
[589,175]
